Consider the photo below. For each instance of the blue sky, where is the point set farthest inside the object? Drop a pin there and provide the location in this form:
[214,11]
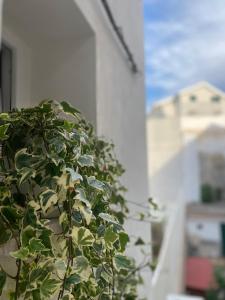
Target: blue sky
[184,44]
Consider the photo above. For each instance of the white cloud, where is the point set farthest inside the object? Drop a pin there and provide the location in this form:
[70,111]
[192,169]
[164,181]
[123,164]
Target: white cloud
[186,47]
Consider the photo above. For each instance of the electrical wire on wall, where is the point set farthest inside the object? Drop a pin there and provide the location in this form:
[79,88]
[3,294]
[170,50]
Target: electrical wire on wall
[120,36]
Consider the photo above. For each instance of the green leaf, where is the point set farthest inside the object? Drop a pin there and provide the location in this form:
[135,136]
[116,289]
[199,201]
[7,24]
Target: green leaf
[124,239]
[5,233]
[82,197]
[68,297]
[93,182]
[5,236]
[48,199]
[4,116]
[27,234]
[86,161]
[2,280]
[22,253]
[48,287]
[35,245]
[122,262]
[37,274]
[60,266]
[11,215]
[82,236]
[75,177]
[3,131]
[82,268]
[110,237]
[108,218]
[69,109]
[26,160]
[4,192]
[139,242]
[26,173]
[72,280]
[85,211]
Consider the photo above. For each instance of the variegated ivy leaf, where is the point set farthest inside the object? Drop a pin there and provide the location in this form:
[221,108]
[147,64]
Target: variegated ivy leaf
[86,161]
[69,109]
[63,218]
[4,193]
[48,287]
[75,177]
[22,253]
[4,116]
[85,211]
[2,280]
[23,159]
[82,236]
[122,262]
[68,297]
[3,132]
[60,266]
[35,245]
[48,199]
[108,218]
[110,237]
[82,268]
[5,234]
[26,173]
[34,205]
[95,183]
[124,239]
[69,178]
[82,197]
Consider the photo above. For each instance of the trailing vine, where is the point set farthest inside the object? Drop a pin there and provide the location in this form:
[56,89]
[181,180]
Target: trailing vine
[62,204]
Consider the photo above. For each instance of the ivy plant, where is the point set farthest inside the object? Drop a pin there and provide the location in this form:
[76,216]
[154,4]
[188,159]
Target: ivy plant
[62,204]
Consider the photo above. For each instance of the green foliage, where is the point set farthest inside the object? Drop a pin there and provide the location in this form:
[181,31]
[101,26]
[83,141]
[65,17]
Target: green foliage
[218,292]
[58,185]
[210,194]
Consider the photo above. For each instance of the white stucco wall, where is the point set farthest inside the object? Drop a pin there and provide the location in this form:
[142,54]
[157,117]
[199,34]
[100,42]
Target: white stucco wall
[48,66]
[78,57]
[195,118]
[165,159]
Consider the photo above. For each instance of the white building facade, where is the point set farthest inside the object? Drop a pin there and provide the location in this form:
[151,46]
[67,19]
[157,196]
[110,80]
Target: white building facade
[69,50]
[186,147]
[186,135]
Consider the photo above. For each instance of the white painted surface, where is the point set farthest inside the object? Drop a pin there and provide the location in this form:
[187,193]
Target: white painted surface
[67,49]
[205,229]
[178,131]
[182,297]
[168,276]
[174,150]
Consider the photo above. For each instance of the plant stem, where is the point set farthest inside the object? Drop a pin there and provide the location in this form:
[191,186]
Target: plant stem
[17,279]
[70,254]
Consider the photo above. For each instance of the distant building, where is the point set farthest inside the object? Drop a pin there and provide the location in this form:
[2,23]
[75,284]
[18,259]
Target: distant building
[186,147]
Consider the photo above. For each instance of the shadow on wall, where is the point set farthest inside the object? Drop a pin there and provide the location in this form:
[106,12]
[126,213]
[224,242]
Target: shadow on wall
[195,167]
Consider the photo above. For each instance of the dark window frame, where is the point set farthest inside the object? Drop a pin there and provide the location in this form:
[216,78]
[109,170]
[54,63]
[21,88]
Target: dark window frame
[6,77]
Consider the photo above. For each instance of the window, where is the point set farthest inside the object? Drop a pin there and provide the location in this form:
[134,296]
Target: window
[193,98]
[216,98]
[6,58]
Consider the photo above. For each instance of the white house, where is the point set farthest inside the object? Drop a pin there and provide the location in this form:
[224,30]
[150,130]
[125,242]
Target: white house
[186,147]
[91,54]
[186,135]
